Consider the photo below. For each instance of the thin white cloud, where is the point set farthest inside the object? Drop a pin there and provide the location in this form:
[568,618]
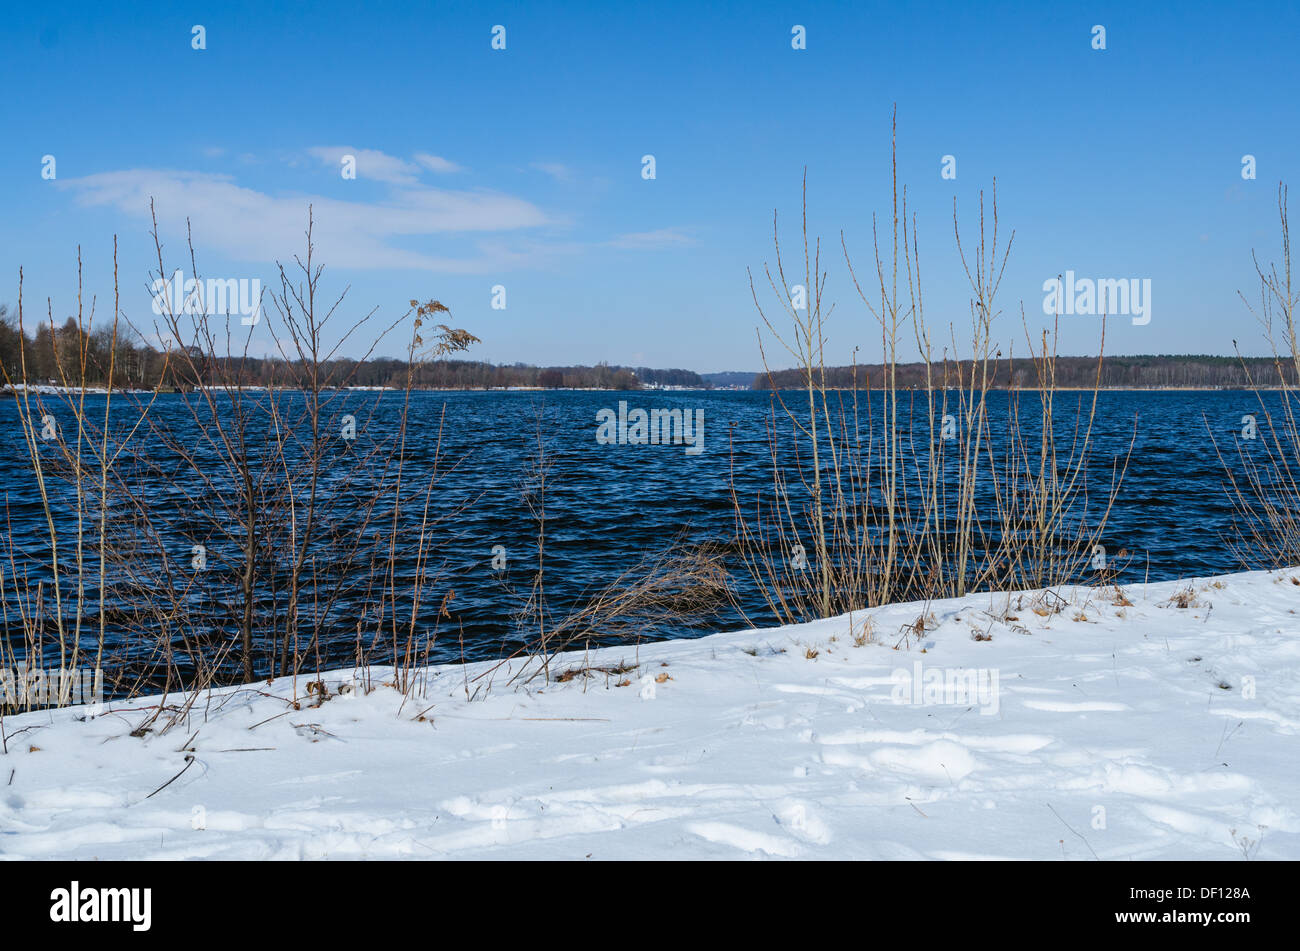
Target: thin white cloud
[370,163]
[436,163]
[660,238]
[557,171]
[249,225]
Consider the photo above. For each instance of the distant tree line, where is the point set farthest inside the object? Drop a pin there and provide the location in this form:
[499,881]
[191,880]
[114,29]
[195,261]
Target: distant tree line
[137,364]
[46,347]
[1118,372]
[477,374]
[134,363]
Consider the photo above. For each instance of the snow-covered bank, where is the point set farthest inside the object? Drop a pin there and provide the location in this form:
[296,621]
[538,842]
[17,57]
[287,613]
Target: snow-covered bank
[1095,729]
[54,389]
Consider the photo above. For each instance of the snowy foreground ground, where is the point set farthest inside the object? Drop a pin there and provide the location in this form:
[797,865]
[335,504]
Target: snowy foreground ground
[1116,731]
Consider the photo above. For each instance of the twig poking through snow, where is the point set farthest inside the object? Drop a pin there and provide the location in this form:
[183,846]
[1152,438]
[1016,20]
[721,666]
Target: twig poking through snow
[189,761]
[1067,825]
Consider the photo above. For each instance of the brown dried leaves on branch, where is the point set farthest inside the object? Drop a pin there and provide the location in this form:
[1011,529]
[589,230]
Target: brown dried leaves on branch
[447,339]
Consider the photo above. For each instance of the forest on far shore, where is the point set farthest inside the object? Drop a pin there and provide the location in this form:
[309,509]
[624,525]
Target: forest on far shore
[1164,371]
[137,365]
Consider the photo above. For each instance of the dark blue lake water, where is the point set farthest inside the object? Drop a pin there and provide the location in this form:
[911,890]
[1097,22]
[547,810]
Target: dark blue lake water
[606,506]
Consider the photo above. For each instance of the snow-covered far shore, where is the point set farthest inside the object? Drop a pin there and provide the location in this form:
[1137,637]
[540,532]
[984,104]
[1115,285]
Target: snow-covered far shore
[1081,724]
[53,389]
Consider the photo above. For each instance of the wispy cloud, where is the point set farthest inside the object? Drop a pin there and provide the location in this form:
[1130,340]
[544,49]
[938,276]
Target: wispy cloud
[382,167]
[250,225]
[436,163]
[660,238]
[371,163]
[557,171]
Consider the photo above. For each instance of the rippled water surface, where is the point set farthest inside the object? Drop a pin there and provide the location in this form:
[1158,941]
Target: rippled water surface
[608,505]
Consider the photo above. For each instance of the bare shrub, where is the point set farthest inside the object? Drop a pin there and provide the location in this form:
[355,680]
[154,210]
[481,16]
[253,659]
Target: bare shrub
[883,494]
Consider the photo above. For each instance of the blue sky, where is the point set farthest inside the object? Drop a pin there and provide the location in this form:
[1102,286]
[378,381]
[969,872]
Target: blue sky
[522,167]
